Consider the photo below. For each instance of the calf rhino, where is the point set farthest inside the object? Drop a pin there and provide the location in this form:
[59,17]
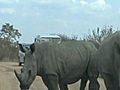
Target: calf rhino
[59,64]
[109,61]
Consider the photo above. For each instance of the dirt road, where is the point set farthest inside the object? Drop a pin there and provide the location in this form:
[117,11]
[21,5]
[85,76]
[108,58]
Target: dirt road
[8,80]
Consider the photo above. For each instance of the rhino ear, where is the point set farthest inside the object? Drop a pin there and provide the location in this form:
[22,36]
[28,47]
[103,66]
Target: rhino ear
[32,47]
[21,47]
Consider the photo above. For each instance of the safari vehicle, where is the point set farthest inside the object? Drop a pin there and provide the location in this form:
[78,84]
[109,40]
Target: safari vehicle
[21,55]
[48,38]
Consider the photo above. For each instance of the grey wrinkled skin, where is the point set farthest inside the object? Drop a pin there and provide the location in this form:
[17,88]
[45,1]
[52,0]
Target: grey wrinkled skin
[85,78]
[59,64]
[109,61]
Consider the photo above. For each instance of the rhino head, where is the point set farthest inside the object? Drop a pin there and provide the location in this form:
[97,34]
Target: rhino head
[29,70]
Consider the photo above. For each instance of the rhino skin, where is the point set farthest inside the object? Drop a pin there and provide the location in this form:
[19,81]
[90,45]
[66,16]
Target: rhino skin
[59,64]
[85,78]
[109,61]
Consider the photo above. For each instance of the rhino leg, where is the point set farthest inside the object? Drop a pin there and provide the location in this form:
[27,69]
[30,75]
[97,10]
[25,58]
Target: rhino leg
[51,81]
[94,85]
[110,82]
[63,87]
[84,80]
[93,76]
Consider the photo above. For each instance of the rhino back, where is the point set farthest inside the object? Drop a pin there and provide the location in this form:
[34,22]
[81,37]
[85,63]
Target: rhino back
[68,60]
[106,54]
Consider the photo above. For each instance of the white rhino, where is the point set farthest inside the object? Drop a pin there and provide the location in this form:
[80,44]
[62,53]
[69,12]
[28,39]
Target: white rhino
[59,64]
[109,61]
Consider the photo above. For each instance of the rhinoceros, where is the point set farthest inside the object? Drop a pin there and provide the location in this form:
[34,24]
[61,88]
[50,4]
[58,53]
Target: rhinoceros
[59,64]
[85,78]
[109,61]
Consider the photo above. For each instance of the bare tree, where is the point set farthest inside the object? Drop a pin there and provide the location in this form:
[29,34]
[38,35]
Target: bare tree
[99,34]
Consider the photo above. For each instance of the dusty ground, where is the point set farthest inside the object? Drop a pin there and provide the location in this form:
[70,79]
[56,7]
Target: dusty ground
[8,80]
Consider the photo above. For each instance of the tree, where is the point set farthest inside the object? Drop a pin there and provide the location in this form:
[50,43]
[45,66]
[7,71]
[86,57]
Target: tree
[9,35]
[8,42]
[99,35]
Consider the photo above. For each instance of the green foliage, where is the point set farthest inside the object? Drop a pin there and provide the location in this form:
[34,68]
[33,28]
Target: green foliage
[98,34]
[9,35]
[9,41]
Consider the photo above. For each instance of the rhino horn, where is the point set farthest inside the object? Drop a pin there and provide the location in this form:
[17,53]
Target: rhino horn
[17,75]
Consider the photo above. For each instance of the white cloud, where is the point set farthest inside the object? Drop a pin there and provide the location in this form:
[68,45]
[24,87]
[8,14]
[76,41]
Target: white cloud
[75,6]
[74,1]
[50,1]
[83,2]
[9,1]
[5,1]
[89,6]
[7,10]
[79,2]
[94,4]
[43,1]
[99,5]
[17,1]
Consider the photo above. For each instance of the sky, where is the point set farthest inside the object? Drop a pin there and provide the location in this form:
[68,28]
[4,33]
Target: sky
[68,17]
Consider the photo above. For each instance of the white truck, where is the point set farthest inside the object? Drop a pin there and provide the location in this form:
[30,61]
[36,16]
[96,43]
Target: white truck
[48,38]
